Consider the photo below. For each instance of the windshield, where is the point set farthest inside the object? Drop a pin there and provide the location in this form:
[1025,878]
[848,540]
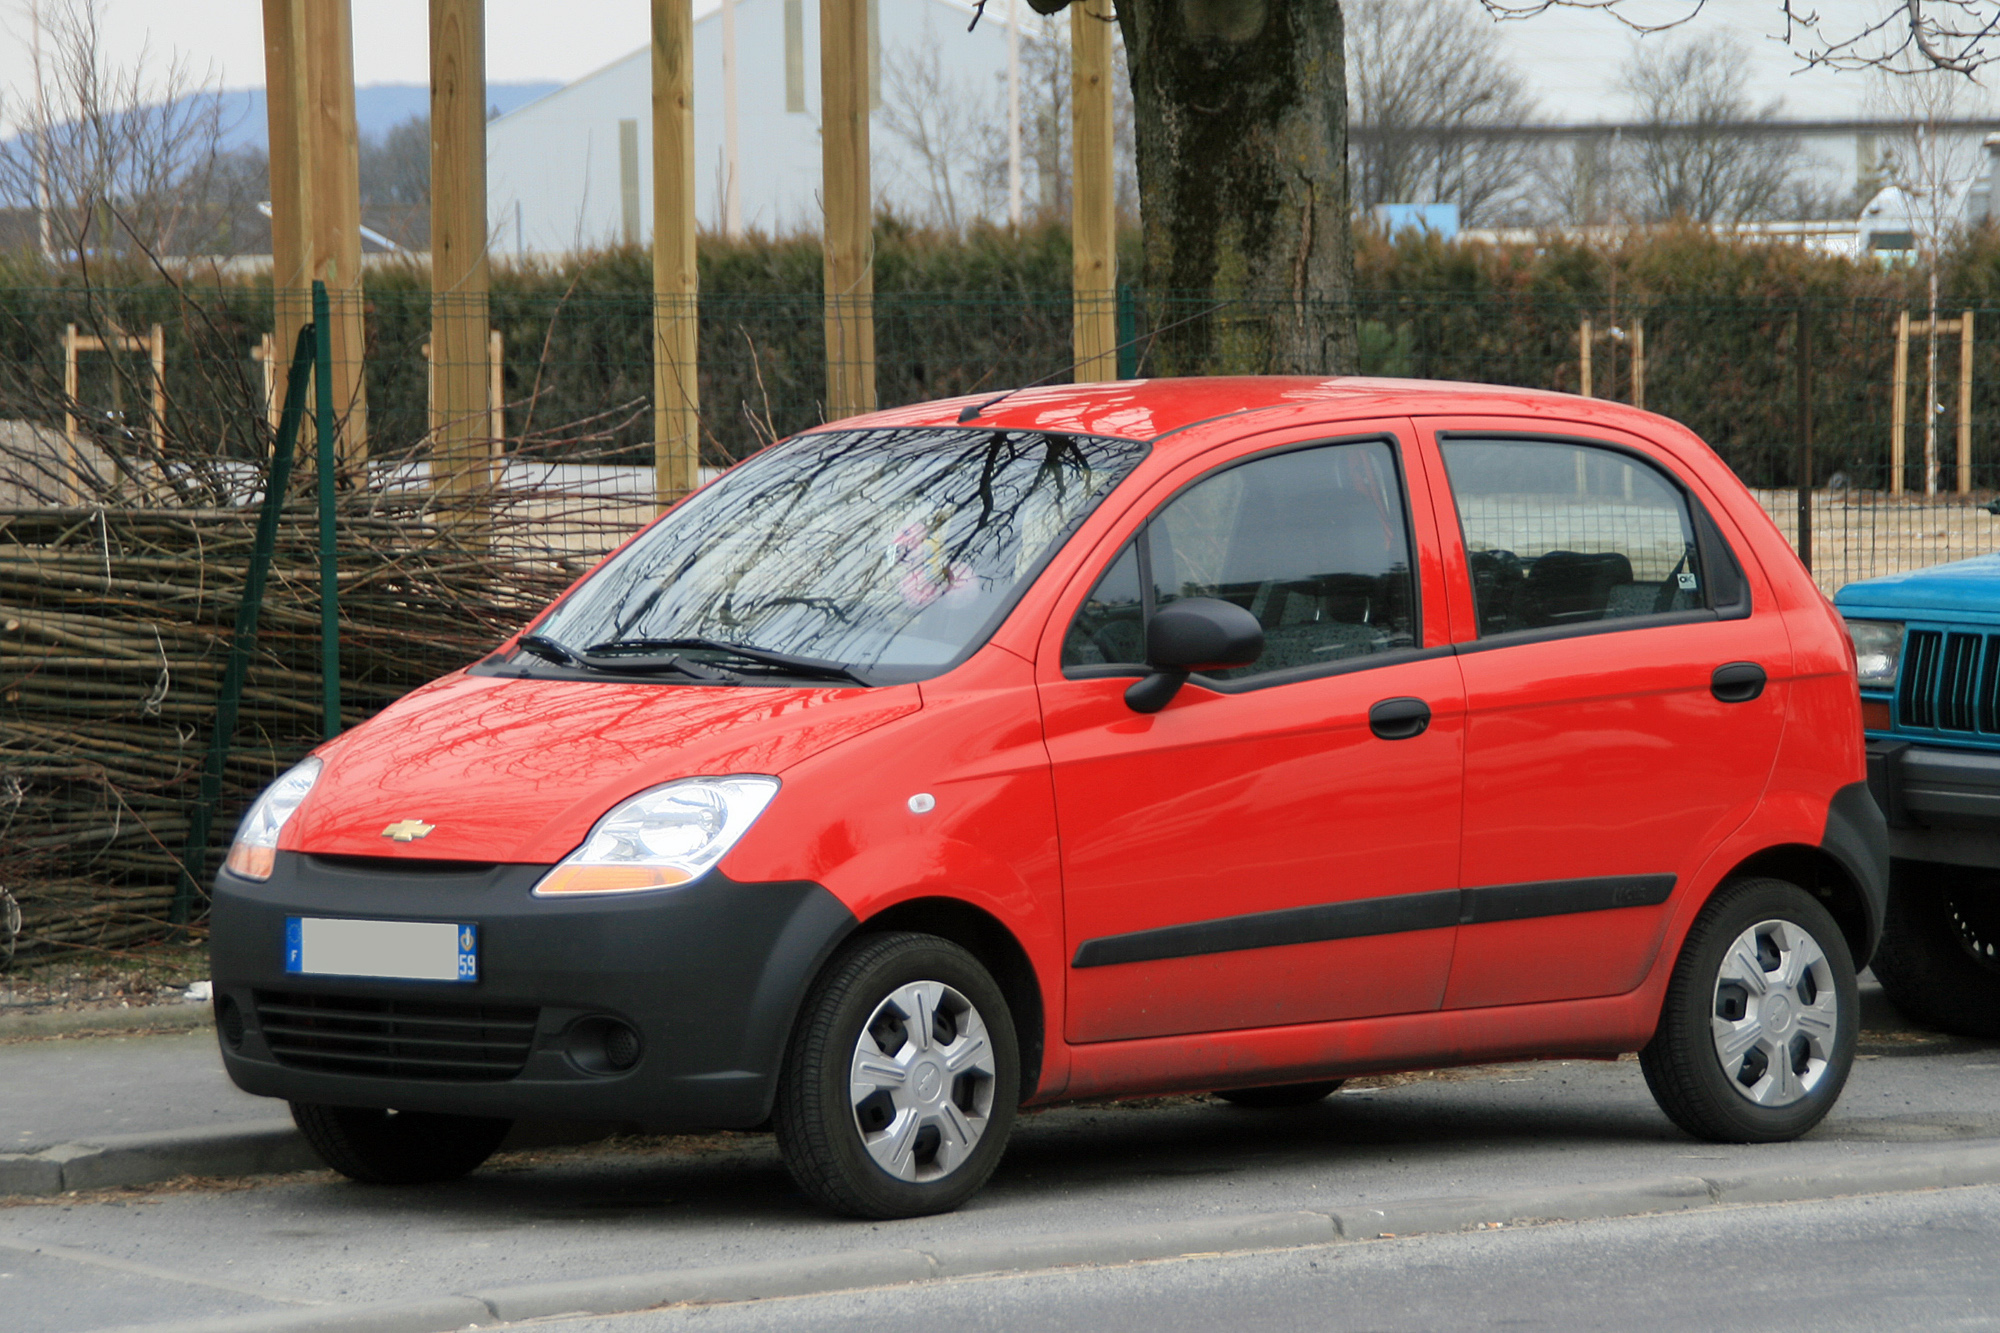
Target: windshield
[893,552]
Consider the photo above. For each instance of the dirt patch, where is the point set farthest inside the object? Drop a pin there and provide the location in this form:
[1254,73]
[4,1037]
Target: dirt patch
[130,979]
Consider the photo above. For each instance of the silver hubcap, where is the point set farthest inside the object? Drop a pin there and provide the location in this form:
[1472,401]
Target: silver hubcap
[922,1081]
[1776,1013]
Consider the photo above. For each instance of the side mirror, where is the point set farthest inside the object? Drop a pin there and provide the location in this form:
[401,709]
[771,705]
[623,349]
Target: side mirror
[1196,634]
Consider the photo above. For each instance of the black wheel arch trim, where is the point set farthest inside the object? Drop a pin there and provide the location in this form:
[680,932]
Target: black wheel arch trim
[1857,837]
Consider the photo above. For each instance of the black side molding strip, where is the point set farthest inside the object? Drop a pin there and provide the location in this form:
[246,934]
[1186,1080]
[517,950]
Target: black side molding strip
[1392,915]
[1561,897]
[1268,930]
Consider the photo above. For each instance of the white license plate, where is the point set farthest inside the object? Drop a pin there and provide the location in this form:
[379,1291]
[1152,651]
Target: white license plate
[391,950]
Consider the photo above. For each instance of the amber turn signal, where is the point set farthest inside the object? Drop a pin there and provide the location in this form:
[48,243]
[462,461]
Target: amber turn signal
[253,862]
[1875,715]
[611,879]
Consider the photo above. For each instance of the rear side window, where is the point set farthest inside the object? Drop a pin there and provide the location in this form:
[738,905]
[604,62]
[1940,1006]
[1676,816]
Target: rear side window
[1561,534]
[1311,541]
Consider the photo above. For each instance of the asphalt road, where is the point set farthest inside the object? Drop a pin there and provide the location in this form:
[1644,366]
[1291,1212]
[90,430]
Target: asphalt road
[1890,1261]
[71,1264]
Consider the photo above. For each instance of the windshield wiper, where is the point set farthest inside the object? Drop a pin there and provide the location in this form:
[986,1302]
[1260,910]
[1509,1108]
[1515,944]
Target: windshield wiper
[549,650]
[802,666]
[638,663]
[552,650]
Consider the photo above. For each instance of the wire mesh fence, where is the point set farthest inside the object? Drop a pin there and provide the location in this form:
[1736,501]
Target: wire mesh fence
[136,427]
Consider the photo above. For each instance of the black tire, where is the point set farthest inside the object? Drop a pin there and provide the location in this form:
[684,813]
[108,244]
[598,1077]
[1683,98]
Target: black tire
[819,1124]
[1939,960]
[1683,1063]
[1280,1096]
[398,1147]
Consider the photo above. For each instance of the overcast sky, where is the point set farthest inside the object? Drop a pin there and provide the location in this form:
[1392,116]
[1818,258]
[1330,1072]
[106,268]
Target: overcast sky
[1570,56]
[526,40]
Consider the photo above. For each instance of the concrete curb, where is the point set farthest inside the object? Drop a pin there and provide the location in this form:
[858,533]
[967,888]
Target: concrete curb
[255,1148]
[1975,1163]
[184,1016]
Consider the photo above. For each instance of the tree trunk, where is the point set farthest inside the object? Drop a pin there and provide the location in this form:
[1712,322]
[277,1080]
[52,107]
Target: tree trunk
[1241,119]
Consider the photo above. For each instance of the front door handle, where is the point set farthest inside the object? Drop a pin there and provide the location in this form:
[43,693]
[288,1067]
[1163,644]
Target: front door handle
[1399,719]
[1737,682]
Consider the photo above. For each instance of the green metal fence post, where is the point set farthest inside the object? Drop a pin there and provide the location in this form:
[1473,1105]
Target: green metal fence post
[329,563]
[229,700]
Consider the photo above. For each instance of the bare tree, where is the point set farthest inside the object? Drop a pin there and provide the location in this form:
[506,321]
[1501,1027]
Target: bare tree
[1427,88]
[1928,158]
[112,156]
[947,127]
[1045,78]
[395,167]
[1704,151]
[1900,36]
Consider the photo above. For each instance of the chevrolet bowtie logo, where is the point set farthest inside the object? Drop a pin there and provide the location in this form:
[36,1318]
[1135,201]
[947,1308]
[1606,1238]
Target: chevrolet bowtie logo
[407,830]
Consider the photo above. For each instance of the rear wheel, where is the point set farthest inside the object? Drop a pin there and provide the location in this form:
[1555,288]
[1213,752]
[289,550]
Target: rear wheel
[1939,960]
[1281,1095]
[1758,1029]
[398,1147]
[902,1080]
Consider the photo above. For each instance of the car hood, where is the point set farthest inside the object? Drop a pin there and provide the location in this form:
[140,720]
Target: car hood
[513,770]
[1962,586]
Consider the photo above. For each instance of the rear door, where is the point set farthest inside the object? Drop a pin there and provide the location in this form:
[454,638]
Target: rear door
[1614,729]
[1257,853]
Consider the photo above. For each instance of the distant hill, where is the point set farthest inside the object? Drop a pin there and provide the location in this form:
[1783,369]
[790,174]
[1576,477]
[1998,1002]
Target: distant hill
[377,107]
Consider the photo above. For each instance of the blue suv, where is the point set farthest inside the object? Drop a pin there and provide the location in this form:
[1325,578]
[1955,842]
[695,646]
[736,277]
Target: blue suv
[1927,645]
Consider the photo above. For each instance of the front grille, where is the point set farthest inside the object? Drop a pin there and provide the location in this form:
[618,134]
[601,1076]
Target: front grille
[428,1039]
[1951,682]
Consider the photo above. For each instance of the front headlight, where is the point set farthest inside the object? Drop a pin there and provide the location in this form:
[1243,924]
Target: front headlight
[1878,651]
[255,852]
[662,837]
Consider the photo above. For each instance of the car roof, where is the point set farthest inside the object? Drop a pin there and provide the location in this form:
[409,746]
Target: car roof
[1149,409]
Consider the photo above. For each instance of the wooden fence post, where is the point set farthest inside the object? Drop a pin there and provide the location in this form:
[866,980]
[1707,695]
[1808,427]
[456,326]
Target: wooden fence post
[286,94]
[850,268]
[676,284]
[461,457]
[1093,204]
[334,164]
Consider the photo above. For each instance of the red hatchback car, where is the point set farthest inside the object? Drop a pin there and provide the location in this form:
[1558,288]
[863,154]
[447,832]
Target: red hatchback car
[1235,735]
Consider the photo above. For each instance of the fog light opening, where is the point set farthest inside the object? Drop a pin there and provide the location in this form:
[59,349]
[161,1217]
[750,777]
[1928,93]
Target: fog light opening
[599,1045]
[229,1021]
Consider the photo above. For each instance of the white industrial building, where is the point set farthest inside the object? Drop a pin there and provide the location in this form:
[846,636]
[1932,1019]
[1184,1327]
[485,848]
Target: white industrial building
[574,169]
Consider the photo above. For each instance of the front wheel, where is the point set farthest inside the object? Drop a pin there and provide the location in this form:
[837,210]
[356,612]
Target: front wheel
[1939,960]
[902,1079]
[398,1147]
[1758,1029]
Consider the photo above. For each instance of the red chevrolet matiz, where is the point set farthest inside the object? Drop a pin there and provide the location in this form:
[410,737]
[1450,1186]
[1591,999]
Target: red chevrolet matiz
[1231,735]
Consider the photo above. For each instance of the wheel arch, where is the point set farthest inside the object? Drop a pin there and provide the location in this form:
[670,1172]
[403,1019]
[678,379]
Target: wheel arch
[983,936]
[1827,878]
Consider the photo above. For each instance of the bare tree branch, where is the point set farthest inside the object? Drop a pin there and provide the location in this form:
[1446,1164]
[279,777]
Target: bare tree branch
[1902,37]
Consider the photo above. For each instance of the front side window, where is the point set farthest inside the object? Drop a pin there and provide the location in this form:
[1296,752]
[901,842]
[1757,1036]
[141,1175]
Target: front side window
[891,552]
[1311,541]
[1562,534]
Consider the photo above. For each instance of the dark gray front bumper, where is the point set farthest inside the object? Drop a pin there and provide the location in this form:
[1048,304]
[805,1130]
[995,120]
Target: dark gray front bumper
[710,975]
[1941,805]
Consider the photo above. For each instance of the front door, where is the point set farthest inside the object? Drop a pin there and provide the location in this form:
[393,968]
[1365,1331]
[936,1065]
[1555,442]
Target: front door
[1258,853]
[1606,755]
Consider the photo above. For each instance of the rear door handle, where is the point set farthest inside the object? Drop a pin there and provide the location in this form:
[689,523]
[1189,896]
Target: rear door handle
[1399,719]
[1737,682]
